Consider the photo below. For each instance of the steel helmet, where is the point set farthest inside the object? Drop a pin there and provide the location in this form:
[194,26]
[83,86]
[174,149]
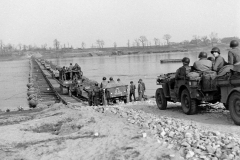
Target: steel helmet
[233,43]
[215,49]
[202,55]
[110,78]
[104,78]
[96,84]
[186,60]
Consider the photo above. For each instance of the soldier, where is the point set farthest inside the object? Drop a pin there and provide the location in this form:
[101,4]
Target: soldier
[70,70]
[132,91]
[141,89]
[104,83]
[234,53]
[76,67]
[219,61]
[203,64]
[63,73]
[184,70]
[111,80]
[96,95]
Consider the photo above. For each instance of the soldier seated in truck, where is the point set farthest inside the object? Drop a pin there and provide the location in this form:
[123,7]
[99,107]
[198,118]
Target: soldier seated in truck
[203,64]
[184,70]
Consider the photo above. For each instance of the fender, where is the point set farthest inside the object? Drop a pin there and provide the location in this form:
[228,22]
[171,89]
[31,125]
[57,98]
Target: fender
[237,89]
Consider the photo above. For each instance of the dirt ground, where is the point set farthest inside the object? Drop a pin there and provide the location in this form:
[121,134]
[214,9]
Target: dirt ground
[124,131]
[66,132]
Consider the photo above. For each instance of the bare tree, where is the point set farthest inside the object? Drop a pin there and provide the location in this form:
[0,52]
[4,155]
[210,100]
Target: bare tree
[156,41]
[20,46]
[137,42]
[30,47]
[83,45]
[205,40]
[100,43]
[167,37]
[196,39]
[213,38]
[1,45]
[128,44]
[115,45]
[143,40]
[56,44]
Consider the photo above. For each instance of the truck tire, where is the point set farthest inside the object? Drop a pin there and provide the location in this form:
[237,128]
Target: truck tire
[69,92]
[234,107]
[125,100]
[161,99]
[189,105]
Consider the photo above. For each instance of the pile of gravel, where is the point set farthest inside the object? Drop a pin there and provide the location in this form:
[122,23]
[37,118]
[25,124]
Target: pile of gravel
[181,135]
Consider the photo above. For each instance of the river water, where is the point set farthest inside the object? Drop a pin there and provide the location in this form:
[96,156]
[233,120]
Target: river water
[13,79]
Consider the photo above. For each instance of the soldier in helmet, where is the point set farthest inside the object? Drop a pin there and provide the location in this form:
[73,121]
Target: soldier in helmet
[104,83]
[203,64]
[184,70]
[111,80]
[96,95]
[234,53]
[219,60]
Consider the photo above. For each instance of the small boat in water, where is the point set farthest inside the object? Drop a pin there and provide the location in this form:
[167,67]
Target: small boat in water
[170,60]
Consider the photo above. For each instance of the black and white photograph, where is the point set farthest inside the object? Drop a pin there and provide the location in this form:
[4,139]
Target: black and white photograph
[119,80]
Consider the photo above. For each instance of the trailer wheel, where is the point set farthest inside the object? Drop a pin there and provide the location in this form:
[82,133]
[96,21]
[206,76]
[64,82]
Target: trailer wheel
[125,99]
[234,107]
[161,99]
[69,92]
[189,105]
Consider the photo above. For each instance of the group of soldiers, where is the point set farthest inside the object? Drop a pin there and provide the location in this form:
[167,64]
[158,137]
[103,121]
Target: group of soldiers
[96,91]
[215,63]
[71,69]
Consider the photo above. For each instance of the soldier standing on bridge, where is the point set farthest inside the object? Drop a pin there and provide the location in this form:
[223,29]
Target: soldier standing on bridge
[104,83]
[70,70]
[96,95]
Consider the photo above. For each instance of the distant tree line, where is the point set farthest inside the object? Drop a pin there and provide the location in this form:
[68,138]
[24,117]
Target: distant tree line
[142,41]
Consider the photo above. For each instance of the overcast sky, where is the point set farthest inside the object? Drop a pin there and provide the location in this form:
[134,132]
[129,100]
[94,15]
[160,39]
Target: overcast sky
[76,21]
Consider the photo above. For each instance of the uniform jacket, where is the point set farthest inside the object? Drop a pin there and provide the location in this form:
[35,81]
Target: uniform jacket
[219,63]
[234,56]
[203,65]
[140,87]
[132,88]
[104,84]
[182,72]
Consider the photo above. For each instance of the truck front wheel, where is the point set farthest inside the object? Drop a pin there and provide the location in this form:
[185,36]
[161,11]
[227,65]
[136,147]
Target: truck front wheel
[189,105]
[234,107]
[161,99]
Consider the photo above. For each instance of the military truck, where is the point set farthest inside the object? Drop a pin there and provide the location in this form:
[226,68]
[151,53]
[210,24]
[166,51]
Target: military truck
[192,91]
[84,87]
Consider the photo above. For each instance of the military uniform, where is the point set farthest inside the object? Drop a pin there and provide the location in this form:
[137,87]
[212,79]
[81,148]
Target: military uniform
[132,92]
[219,63]
[96,95]
[203,65]
[104,84]
[234,56]
[182,72]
